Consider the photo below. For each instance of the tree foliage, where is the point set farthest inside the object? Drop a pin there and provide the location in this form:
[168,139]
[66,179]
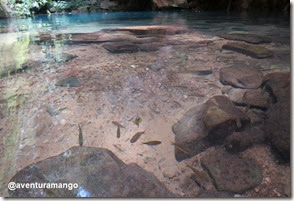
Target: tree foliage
[25,8]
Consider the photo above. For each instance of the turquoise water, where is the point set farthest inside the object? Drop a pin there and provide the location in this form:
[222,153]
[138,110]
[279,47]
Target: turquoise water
[204,21]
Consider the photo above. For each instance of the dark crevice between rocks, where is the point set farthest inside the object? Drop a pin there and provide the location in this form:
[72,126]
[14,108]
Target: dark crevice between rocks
[268,89]
[264,109]
[218,135]
[281,159]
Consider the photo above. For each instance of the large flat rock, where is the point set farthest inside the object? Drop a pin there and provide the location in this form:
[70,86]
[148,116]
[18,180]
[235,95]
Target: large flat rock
[98,173]
[151,29]
[241,77]
[255,51]
[121,47]
[231,173]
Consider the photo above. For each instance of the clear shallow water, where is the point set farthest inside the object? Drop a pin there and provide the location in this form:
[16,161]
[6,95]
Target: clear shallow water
[21,31]
[115,86]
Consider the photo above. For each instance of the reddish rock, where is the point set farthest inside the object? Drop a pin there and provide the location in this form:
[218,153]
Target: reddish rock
[121,47]
[241,77]
[278,85]
[249,38]
[255,51]
[231,173]
[250,97]
[151,30]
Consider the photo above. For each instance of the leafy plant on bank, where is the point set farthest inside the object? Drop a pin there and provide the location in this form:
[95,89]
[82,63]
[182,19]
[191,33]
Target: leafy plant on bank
[25,8]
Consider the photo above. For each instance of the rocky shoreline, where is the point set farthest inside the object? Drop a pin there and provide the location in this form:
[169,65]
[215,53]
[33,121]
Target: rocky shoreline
[239,6]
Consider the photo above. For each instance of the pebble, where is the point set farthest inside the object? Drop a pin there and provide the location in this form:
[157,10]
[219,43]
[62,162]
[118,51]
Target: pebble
[62,122]
[169,173]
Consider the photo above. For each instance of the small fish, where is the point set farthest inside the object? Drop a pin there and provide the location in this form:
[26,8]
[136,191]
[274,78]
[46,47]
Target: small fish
[198,173]
[53,112]
[118,147]
[117,124]
[238,122]
[137,136]
[118,132]
[81,140]
[137,121]
[151,143]
[180,148]
[200,177]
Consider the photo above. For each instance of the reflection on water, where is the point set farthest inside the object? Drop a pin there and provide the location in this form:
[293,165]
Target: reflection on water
[97,21]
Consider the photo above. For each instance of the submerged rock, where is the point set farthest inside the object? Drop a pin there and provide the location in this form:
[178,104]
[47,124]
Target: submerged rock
[190,134]
[206,125]
[278,126]
[250,97]
[121,47]
[215,194]
[249,38]
[66,57]
[240,141]
[222,118]
[278,85]
[98,173]
[241,77]
[151,30]
[71,81]
[231,173]
[255,51]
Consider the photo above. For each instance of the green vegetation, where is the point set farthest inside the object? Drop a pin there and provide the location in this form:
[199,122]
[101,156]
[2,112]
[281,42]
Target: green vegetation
[25,8]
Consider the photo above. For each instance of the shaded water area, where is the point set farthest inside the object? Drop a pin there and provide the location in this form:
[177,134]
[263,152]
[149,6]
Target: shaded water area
[144,70]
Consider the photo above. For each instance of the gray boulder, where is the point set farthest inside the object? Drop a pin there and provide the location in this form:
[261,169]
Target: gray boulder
[222,118]
[190,134]
[206,125]
[98,173]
